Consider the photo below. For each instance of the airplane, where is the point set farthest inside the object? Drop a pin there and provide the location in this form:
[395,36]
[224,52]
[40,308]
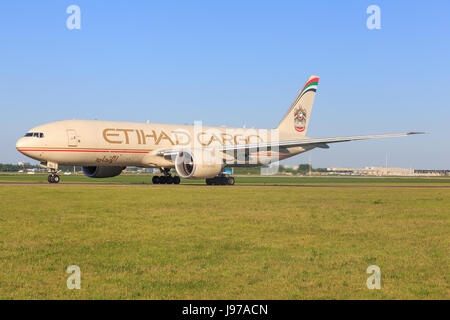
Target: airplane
[105,148]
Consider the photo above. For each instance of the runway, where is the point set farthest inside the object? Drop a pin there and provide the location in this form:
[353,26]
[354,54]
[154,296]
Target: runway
[226,186]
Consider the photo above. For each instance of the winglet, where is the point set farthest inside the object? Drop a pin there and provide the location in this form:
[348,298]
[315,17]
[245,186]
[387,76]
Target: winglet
[409,133]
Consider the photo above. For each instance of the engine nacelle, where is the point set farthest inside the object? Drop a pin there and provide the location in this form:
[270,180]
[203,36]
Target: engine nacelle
[102,172]
[201,164]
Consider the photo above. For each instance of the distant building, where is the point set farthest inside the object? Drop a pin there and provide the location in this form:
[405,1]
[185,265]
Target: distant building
[426,172]
[386,171]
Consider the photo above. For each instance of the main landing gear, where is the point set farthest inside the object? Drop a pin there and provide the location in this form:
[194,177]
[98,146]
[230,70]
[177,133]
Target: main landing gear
[53,178]
[220,181]
[167,178]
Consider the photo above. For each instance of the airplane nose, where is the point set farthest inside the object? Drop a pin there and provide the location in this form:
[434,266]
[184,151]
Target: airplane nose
[20,144]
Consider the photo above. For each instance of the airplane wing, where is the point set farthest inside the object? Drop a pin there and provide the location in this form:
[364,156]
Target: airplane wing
[310,142]
[314,142]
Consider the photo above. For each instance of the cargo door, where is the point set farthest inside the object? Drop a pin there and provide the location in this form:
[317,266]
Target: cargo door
[72,138]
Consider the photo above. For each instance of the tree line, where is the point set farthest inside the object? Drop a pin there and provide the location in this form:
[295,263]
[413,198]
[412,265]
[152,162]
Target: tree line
[16,168]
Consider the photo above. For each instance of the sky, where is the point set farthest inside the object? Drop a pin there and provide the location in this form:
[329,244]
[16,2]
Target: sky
[235,63]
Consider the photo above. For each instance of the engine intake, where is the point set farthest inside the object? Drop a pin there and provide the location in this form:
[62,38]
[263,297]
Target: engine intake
[198,164]
[102,172]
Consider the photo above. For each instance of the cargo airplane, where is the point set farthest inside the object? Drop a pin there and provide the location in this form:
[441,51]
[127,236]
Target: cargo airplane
[105,148]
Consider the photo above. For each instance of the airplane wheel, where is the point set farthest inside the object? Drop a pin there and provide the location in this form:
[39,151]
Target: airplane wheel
[155,180]
[55,178]
[176,180]
[162,180]
[50,180]
[220,181]
[169,179]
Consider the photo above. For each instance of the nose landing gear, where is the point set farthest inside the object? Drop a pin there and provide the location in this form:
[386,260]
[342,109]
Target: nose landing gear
[52,171]
[53,178]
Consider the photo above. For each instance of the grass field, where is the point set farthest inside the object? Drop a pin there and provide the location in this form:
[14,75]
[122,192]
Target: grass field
[198,242]
[240,180]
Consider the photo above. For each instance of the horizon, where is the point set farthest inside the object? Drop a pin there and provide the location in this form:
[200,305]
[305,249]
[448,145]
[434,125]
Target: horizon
[34,163]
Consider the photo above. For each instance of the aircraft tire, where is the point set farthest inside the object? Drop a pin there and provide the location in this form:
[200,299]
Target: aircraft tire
[176,180]
[155,180]
[56,178]
[169,180]
[162,180]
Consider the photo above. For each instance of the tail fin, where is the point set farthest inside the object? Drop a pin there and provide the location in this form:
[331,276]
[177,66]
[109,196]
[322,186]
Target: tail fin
[296,120]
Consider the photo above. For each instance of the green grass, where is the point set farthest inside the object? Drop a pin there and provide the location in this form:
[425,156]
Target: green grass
[244,180]
[198,242]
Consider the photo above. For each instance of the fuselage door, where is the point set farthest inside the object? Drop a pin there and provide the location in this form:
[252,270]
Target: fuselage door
[72,138]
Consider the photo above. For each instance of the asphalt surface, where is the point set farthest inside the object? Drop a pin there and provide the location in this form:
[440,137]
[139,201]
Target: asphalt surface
[235,186]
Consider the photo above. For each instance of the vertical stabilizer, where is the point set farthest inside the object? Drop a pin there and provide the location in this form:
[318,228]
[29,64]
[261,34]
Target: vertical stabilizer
[296,120]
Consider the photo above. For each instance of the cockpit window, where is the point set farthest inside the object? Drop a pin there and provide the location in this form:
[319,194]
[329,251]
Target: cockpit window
[34,134]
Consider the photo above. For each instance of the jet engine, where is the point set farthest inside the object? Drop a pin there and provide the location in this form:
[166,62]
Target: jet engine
[201,164]
[102,172]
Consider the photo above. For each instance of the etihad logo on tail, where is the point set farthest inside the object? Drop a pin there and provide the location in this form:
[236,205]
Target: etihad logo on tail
[300,119]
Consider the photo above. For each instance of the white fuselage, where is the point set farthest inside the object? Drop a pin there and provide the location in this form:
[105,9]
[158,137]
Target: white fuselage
[108,143]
